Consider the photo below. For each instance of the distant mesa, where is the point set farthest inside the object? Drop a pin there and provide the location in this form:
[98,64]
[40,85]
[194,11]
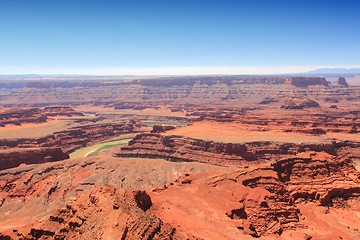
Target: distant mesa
[299,103]
[175,81]
[342,82]
[308,81]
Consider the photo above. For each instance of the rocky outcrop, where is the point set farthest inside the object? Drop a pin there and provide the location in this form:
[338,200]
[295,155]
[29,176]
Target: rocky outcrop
[269,201]
[267,209]
[256,200]
[72,139]
[78,137]
[103,213]
[56,146]
[318,178]
[17,116]
[342,82]
[308,81]
[31,192]
[297,103]
[269,150]
[16,156]
[183,149]
[159,128]
[315,177]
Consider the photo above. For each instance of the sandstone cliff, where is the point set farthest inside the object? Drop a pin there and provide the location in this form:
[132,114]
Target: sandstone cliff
[185,149]
[177,148]
[72,139]
[14,157]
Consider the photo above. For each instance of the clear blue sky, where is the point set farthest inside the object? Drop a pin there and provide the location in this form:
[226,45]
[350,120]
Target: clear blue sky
[44,34]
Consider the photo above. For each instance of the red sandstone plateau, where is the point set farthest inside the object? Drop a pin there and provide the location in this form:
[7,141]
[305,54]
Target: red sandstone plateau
[212,157]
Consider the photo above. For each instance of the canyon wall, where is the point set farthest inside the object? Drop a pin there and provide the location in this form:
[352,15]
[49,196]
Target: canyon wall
[188,90]
[17,156]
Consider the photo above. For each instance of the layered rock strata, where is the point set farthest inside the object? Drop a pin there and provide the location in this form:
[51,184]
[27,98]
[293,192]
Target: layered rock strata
[178,149]
[72,139]
[18,116]
[185,149]
[272,201]
[104,213]
[268,201]
[16,156]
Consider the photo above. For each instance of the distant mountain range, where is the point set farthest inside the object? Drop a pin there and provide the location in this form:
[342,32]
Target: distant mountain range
[320,71]
[328,71]
[42,75]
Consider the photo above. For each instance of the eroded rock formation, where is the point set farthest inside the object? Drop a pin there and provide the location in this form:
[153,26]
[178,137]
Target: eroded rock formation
[17,116]
[272,201]
[262,200]
[15,156]
[185,149]
[77,199]
[72,139]
[159,128]
[103,213]
[298,103]
[177,148]
[342,82]
[308,81]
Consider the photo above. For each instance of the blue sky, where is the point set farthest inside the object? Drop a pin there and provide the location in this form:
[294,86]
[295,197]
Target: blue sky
[168,36]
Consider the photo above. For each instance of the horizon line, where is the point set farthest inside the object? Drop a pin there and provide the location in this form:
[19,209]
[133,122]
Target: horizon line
[169,70]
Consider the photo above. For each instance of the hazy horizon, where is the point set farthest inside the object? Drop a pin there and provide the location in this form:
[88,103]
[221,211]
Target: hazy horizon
[175,71]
